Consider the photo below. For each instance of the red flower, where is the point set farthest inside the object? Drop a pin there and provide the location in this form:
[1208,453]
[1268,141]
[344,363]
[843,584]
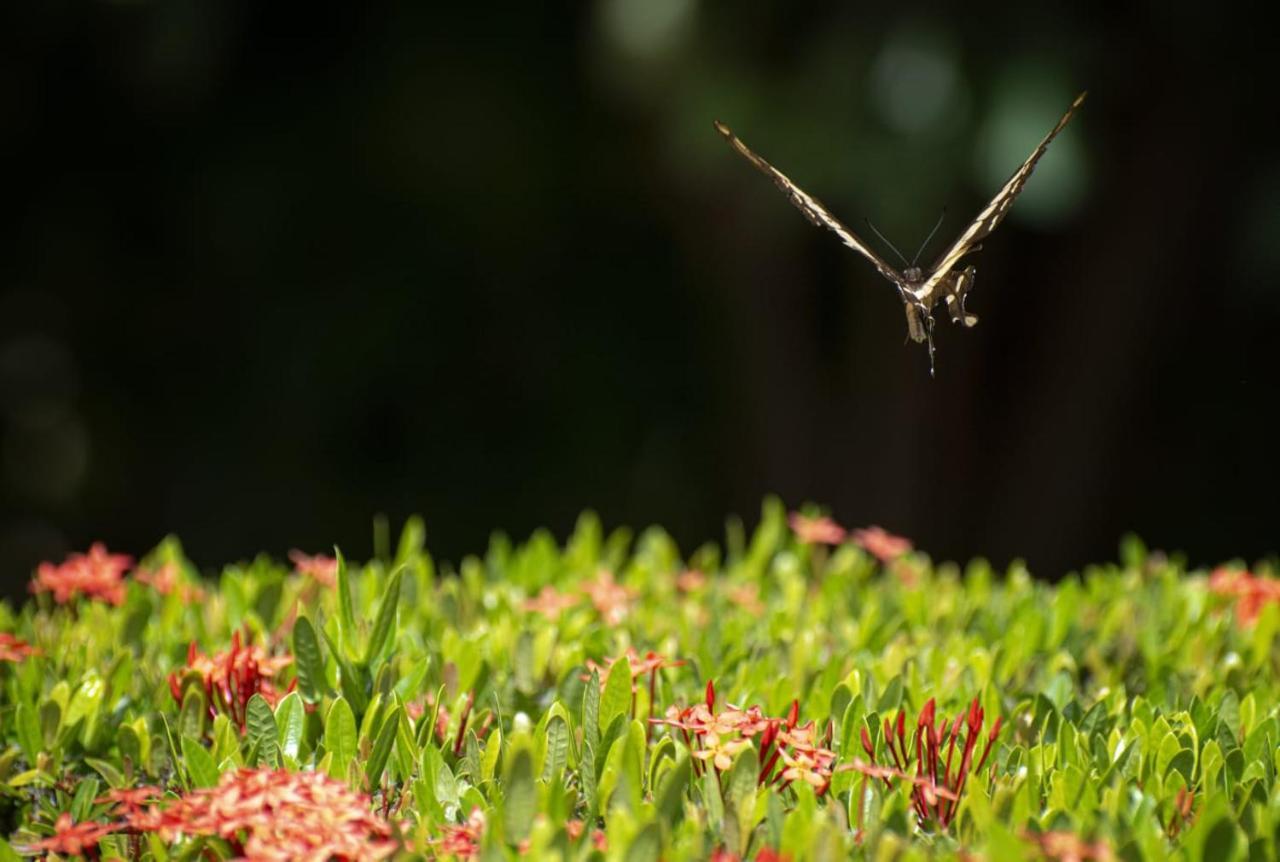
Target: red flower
[881,543]
[550,602]
[816,531]
[269,814]
[15,649]
[129,800]
[96,575]
[611,599]
[928,759]
[165,580]
[231,678]
[73,839]
[463,839]
[321,568]
[1069,847]
[1251,593]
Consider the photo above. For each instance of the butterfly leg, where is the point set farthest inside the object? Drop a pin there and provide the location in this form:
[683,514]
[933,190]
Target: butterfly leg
[955,294]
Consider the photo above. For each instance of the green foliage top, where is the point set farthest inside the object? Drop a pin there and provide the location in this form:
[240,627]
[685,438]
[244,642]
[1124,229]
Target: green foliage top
[798,693]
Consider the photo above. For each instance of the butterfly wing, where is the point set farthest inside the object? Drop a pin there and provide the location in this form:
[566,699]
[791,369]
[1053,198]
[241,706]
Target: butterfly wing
[990,218]
[812,208]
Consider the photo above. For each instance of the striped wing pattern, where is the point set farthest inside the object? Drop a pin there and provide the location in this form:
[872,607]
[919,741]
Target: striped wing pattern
[990,218]
[812,208]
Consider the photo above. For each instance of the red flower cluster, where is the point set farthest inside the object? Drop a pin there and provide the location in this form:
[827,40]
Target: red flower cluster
[165,580]
[611,599]
[233,677]
[463,839]
[95,575]
[816,531]
[14,649]
[270,815]
[1250,592]
[882,544]
[324,570]
[717,737]
[936,792]
[1069,847]
[72,839]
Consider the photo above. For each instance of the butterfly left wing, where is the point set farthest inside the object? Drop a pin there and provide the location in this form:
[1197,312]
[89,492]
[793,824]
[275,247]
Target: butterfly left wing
[990,218]
[812,208]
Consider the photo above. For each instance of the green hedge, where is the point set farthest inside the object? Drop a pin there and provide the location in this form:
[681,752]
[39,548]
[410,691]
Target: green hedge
[794,693]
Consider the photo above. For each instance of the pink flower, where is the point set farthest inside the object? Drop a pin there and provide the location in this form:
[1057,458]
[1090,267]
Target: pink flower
[96,575]
[612,600]
[881,543]
[15,649]
[322,569]
[816,531]
[550,602]
[73,839]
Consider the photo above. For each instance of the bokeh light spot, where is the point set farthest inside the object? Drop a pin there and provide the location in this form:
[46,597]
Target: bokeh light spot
[915,82]
[646,29]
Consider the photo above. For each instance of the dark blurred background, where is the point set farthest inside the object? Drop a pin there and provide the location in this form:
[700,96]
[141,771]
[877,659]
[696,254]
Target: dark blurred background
[268,272]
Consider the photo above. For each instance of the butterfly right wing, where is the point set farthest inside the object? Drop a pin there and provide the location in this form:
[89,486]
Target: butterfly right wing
[812,208]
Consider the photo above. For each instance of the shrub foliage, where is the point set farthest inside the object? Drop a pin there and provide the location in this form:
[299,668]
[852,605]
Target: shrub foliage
[797,693]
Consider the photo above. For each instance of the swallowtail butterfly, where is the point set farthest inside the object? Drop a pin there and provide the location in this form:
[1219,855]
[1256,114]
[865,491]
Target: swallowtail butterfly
[920,290]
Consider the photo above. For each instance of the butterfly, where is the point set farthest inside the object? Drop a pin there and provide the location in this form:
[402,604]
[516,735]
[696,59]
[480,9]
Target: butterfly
[920,290]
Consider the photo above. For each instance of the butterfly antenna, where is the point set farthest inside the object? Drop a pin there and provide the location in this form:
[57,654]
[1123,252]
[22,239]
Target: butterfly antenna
[929,238]
[885,240]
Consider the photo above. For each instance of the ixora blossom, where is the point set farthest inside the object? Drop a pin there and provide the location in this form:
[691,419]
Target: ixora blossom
[15,649]
[882,544]
[717,737]
[463,839]
[322,569]
[98,574]
[550,602]
[165,580]
[231,678]
[821,530]
[611,599]
[1251,593]
[272,814]
[1068,847]
[72,839]
[936,790]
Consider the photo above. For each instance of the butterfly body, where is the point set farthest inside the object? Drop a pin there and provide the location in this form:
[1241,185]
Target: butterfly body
[919,289]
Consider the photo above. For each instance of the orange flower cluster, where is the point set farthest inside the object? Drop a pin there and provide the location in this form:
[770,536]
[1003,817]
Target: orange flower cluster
[882,544]
[14,649]
[936,792]
[816,531]
[272,815]
[611,599]
[716,738]
[1250,592]
[164,580]
[1069,847]
[324,570]
[95,575]
[231,678]
[72,839]
[463,839]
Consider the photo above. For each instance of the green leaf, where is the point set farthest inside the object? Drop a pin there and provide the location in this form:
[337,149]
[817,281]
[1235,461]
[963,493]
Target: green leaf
[557,743]
[670,796]
[346,611]
[616,699]
[384,626]
[520,800]
[591,710]
[262,732]
[340,737]
[29,736]
[308,661]
[647,846]
[290,724]
[377,761]
[200,766]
